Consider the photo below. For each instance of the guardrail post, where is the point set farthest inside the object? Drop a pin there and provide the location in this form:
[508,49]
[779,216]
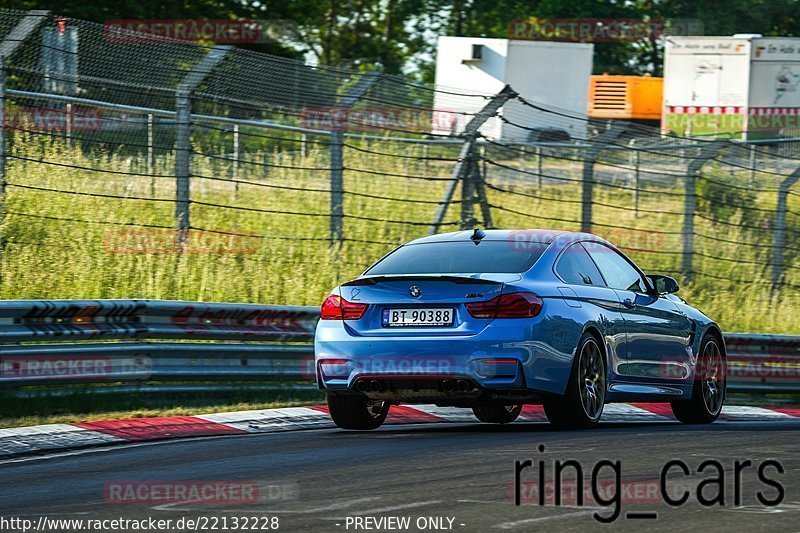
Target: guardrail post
[337,154]
[611,134]
[708,151]
[183,149]
[780,226]
[462,172]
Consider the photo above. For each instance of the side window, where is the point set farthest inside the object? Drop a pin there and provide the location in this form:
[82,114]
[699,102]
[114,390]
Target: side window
[576,267]
[617,271]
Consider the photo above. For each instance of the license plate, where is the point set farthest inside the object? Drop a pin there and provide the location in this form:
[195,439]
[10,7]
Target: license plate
[442,316]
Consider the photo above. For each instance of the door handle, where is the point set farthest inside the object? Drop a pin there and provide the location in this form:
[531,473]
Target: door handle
[627,302]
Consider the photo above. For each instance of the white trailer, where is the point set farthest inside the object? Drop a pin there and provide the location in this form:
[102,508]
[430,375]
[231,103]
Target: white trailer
[552,75]
[741,87]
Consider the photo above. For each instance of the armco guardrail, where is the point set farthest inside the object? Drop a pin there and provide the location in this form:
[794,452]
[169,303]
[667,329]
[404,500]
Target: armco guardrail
[251,341]
[763,363]
[136,341]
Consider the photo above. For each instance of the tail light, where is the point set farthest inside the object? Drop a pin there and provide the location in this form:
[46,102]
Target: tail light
[337,308]
[516,305]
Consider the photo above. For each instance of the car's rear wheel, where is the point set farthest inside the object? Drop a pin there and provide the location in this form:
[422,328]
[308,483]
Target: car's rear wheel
[708,390]
[497,414]
[582,404]
[357,412]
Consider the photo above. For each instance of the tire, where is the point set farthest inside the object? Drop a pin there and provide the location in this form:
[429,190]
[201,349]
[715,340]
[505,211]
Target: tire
[356,412]
[582,404]
[708,390]
[497,414]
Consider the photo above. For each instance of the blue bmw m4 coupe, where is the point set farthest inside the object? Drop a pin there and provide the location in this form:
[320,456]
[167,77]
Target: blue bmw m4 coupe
[492,320]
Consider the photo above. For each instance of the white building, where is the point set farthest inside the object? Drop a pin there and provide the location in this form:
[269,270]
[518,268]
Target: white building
[555,75]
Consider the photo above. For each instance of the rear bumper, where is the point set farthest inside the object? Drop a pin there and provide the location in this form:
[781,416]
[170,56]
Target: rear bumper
[460,391]
[505,356]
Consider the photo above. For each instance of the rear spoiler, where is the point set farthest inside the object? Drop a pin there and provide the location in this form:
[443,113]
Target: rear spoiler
[418,277]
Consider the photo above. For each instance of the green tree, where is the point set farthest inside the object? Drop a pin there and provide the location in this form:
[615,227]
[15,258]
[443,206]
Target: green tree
[399,36]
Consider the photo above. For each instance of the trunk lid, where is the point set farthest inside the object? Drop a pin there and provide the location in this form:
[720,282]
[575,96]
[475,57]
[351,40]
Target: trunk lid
[436,292]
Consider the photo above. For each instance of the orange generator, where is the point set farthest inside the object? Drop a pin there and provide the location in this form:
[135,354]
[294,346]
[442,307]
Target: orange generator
[634,98]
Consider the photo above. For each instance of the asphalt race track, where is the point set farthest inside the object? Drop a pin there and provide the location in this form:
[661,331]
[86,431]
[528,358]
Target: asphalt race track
[463,472]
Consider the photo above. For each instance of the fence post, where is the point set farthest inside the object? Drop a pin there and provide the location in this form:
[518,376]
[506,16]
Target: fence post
[151,163]
[707,151]
[592,153]
[182,163]
[484,169]
[478,184]
[68,125]
[462,171]
[634,156]
[752,164]
[468,188]
[2,137]
[337,185]
[183,149]
[472,190]
[16,38]
[235,165]
[539,168]
[337,154]
[780,226]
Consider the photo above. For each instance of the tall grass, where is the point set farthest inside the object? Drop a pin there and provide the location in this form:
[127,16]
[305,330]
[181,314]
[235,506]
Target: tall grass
[288,259]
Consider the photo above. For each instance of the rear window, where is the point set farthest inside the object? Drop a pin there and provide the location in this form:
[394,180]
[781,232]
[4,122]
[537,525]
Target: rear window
[500,257]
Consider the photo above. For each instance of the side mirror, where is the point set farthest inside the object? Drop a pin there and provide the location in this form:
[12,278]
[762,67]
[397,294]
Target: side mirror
[663,284]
